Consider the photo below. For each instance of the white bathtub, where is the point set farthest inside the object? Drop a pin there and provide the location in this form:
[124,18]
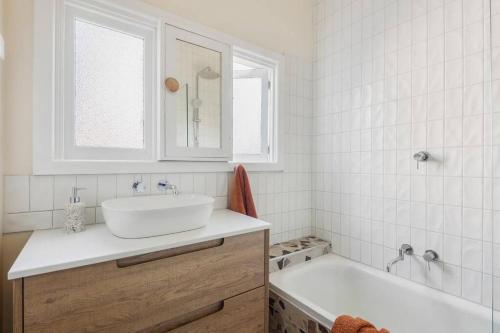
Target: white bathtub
[331,285]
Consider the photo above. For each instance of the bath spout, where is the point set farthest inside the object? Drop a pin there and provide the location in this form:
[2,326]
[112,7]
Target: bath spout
[394,261]
[405,249]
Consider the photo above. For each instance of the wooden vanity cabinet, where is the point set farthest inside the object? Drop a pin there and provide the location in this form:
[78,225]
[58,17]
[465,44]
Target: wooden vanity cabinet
[214,286]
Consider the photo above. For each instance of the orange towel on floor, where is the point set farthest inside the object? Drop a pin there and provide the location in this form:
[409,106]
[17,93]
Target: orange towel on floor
[348,324]
[241,197]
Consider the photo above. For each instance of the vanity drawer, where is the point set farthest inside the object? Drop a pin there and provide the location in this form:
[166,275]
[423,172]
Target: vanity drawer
[243,314]
[139,293]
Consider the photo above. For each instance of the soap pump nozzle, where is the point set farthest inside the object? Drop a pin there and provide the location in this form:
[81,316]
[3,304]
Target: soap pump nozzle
[75,198]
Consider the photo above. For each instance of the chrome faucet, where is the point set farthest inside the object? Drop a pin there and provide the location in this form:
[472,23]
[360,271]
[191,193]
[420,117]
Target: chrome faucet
[138,186]
[164,185]
[405,249]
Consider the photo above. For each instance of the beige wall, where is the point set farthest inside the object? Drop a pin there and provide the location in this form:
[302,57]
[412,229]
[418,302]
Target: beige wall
[1,159]
[284,26]
[281,25]
[18,91]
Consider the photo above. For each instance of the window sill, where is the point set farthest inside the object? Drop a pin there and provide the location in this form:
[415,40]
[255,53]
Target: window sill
[260,167]
[59,167]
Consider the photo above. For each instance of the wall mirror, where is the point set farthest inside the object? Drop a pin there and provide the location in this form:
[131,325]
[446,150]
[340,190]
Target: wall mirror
[198,117]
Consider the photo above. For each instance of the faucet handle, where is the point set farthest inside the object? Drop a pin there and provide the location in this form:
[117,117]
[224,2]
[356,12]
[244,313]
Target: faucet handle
[430,255]
[406,249]
[138,186]
[421,156]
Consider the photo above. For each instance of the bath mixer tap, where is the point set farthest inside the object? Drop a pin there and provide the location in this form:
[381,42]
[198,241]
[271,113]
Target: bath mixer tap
[421,156]
[405,249]
[430,255]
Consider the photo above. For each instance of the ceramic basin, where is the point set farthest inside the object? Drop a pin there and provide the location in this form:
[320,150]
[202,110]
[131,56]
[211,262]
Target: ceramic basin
[148,216]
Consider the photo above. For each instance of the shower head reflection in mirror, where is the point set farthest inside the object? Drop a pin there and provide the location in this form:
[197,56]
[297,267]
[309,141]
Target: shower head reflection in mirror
[206,73]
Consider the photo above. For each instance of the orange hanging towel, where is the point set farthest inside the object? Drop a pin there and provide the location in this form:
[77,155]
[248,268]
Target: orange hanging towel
[241,197]
[347,324]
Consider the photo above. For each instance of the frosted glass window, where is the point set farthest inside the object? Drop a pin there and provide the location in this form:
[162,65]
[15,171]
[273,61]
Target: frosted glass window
[109,88]
[247,115]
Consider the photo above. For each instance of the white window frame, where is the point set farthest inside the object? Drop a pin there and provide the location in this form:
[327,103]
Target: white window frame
[272,120]
[47,77]
[64,137]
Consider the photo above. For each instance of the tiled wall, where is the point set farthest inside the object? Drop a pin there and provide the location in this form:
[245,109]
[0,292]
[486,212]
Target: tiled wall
[282,198]
[394,77]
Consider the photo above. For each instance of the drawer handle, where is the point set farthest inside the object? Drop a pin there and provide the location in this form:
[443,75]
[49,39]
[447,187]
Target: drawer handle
[173,324]
[148,257]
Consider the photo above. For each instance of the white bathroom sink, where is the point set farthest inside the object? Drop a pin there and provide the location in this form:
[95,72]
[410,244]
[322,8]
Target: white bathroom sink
[147,216]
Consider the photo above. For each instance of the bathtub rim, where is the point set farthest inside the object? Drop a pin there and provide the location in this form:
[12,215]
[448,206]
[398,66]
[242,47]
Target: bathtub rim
[313,311]
[326,318]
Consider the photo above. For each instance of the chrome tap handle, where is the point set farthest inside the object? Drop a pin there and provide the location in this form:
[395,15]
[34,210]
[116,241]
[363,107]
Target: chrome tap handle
[406,249]
[138,186]
[430,255]
[421,156]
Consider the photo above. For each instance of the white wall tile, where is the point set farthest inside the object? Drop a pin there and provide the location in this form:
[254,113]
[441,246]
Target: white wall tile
[472,255]
[62,190]
[199,183]
[452,250]
[27,221]
[89,194]
[473,131]
[471,283]
[452,280]
[473,162]
[472,223]
[211,184]
[99,217]
[472,192]
[58,218]
[453,15]
[187,183]
[17,194]
[222,185]
[41,193]
[472,11]
[106,188]
[124,185]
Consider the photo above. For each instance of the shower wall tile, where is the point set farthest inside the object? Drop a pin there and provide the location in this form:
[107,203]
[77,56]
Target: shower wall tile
[409,76]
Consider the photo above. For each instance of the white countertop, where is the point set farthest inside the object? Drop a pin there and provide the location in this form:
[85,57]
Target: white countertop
[53,250]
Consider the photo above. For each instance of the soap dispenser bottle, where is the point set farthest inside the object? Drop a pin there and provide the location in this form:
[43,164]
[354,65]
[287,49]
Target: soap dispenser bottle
[75,212]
